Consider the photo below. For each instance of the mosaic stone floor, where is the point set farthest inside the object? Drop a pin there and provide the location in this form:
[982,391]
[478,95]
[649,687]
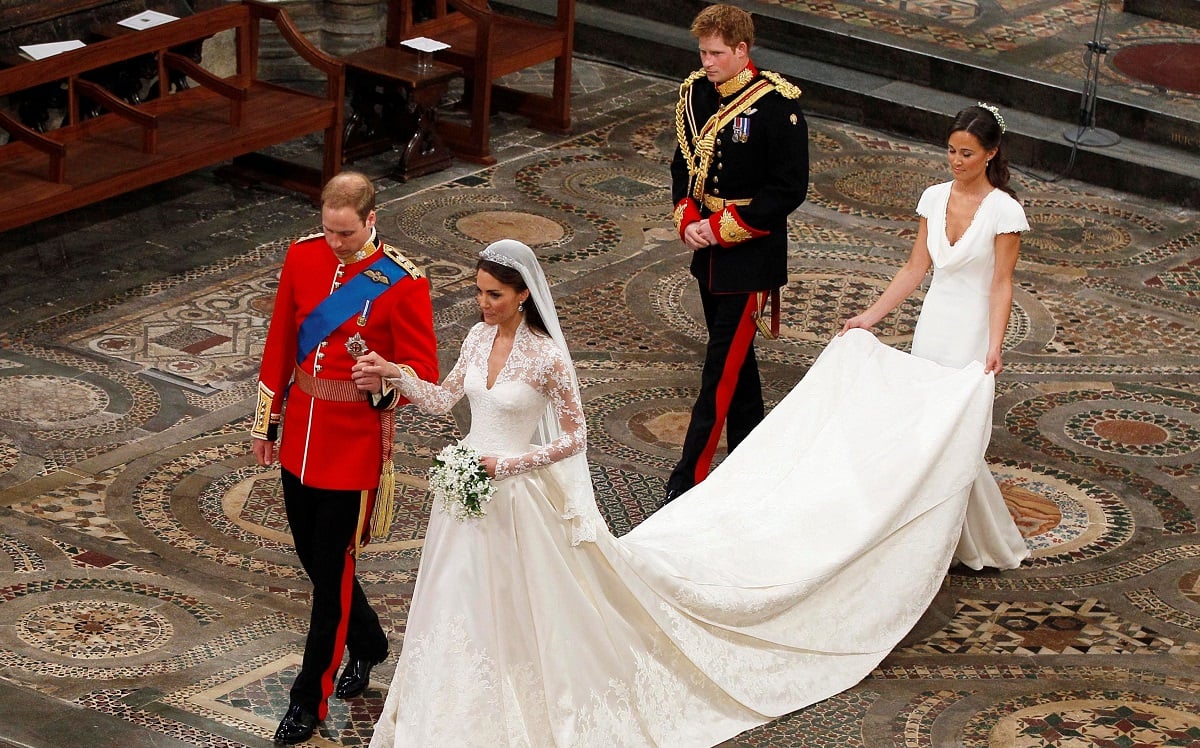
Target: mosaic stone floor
[147,589]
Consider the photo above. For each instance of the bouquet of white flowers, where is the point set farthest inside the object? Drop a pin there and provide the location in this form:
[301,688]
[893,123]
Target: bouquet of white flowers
[459,481]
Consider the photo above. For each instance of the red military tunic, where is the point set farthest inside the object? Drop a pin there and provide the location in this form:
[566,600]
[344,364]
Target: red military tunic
[333,440]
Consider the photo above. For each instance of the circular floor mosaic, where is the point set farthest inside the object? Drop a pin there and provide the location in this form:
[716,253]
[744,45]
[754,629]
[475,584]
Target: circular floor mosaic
[488,226]
[625,187]
[1104,236]
[47,401]
[1137,433]
[888,192]
[1062,517]
[1103,718]
[93,629]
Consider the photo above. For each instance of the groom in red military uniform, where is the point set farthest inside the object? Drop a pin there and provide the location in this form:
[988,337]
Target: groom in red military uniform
[741,166]
[341,293]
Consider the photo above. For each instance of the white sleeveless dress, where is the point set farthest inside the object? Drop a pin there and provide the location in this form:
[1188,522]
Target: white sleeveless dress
[782,579]
[953,330]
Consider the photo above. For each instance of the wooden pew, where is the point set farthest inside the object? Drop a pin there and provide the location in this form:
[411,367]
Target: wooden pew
[129,146]
[488,45]
[38,21]
[24,22]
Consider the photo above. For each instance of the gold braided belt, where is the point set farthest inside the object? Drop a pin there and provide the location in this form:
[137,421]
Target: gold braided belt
[716,204]
[333,390]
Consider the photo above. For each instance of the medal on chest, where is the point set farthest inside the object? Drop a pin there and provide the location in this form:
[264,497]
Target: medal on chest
[741,129]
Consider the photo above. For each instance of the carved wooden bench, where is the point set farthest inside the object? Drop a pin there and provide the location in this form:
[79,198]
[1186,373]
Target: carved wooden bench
[129,146]
[488,45]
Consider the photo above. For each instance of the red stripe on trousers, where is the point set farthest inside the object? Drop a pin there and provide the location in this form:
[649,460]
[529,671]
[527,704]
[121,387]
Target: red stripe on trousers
[339,639]
[727,384]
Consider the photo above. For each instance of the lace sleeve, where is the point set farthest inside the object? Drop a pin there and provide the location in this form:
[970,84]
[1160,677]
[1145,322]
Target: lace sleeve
[436,399]
[555,380]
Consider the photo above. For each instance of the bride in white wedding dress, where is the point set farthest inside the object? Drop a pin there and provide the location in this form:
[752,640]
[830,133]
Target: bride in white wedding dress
[782,579]
[970,234]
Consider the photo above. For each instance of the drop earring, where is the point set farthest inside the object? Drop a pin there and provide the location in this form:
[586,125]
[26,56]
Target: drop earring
[521,306]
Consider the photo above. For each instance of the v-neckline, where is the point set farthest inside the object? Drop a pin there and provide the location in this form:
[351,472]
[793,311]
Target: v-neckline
[946,217]
[495,332]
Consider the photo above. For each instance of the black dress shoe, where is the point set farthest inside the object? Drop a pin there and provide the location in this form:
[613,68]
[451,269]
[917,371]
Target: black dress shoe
[297,726]
[355,677]
[673,492]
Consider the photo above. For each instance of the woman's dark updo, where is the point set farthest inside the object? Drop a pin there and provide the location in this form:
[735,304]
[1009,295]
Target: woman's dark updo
[512,278]
[986,128]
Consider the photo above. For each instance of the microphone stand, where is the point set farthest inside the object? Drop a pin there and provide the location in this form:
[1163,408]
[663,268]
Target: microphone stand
[1087,133]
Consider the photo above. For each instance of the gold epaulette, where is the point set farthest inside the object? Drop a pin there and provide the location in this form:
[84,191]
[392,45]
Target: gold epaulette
[310,237]
[409,266]
[687,82]
[786,88]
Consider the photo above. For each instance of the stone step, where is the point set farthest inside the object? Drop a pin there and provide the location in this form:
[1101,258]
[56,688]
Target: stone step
[919,96]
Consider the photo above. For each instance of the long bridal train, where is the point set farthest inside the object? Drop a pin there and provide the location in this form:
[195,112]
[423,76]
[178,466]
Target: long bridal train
[782,579]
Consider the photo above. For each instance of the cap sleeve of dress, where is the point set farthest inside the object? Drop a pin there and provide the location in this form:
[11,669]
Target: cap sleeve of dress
[931,199]
[1011,218]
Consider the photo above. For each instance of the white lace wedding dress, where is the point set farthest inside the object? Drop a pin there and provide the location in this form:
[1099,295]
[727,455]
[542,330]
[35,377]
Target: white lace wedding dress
[781,580]
[953,330]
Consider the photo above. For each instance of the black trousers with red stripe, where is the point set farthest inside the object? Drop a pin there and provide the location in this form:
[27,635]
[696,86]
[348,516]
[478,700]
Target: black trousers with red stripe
[323,524]
[730,390]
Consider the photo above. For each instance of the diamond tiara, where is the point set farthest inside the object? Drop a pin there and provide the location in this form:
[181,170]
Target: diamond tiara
[493,256]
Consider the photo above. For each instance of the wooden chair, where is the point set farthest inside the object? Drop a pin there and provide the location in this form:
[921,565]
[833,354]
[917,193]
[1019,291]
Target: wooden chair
[488,45]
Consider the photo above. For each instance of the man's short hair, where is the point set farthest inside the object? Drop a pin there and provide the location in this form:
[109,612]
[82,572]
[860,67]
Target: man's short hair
[733,25]
[350,189]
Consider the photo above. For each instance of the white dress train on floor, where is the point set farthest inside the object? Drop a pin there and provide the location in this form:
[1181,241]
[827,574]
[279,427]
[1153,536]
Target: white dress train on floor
[782,579]
[953,330]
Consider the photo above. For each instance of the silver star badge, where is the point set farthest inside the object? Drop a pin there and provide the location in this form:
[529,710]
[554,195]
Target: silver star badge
[356,346]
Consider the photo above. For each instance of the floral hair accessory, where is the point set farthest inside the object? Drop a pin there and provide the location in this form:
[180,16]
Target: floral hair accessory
[995,113]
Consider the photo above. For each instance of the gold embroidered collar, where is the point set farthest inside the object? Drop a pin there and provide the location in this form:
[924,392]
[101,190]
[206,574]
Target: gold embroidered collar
[368,249]
[737,82]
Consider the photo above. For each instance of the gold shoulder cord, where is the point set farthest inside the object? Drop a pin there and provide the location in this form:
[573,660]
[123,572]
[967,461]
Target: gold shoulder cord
[409,266]
[785,88]
[682,110]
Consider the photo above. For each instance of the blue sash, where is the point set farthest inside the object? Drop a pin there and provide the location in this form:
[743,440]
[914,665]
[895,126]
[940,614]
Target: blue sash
[347,301]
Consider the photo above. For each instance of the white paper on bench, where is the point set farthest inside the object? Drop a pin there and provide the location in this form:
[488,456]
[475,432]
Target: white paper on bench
[147,19]
[424,44]
[49,49]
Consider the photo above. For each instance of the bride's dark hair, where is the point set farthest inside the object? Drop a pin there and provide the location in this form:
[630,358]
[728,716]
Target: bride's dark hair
[512,278]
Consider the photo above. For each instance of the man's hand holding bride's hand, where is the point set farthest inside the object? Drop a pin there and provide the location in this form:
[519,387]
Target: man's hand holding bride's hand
[370,370]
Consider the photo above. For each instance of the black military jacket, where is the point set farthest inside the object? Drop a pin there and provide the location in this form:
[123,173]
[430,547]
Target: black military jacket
[744,174]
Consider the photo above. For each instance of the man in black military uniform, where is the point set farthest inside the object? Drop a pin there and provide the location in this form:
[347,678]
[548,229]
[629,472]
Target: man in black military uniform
[740,168]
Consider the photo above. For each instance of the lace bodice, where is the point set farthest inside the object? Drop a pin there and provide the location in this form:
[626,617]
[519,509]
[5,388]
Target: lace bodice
[505,417]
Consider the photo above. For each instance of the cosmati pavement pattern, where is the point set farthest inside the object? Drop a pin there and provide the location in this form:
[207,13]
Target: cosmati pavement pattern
[148,594]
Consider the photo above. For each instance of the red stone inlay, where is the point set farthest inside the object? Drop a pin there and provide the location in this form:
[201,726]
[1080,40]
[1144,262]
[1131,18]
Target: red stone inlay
[1172,65]
[1131,432]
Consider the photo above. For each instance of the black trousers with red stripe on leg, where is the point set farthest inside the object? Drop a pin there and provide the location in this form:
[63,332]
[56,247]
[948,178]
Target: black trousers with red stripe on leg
[323,525]
[730,395]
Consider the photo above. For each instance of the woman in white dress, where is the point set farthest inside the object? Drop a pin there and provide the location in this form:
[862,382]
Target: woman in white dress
[784,578]
[970,234]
